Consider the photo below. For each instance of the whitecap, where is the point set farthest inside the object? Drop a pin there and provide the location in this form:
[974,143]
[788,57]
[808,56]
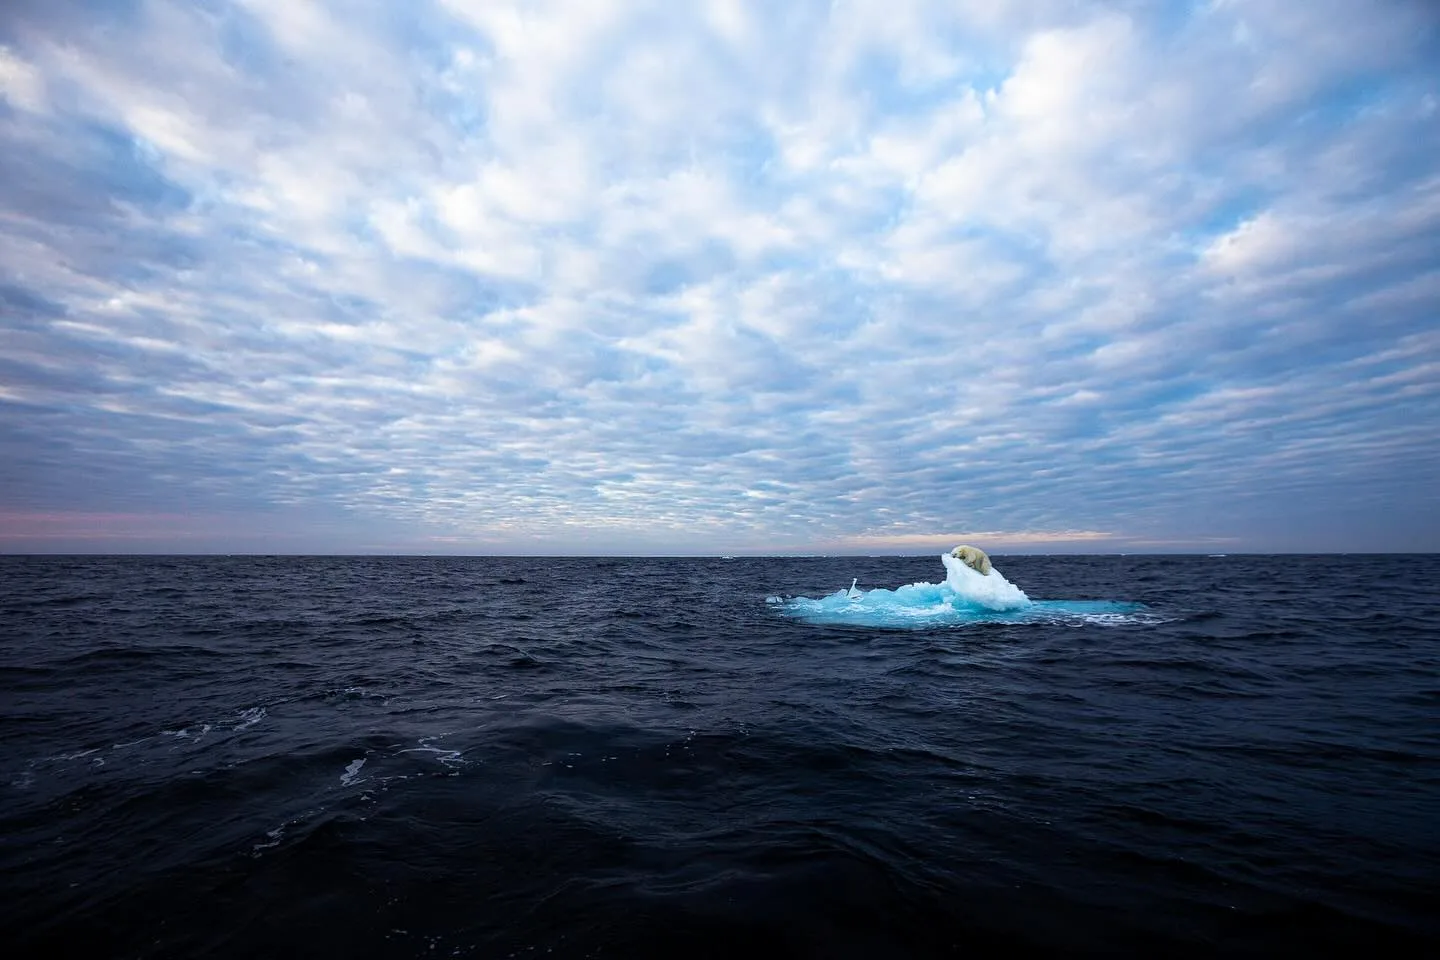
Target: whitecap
[250,717]
[446,757]
[352,771]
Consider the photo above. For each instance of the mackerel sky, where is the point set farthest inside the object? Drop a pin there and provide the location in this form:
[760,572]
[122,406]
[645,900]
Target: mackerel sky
[503,276]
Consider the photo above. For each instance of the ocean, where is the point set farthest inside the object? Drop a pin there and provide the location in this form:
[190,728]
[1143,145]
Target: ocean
[526,757]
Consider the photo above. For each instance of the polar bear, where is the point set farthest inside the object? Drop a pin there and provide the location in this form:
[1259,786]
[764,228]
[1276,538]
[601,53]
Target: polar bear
[974,558]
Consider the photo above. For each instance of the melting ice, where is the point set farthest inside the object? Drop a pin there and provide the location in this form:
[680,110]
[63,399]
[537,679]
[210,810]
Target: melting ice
[965,596]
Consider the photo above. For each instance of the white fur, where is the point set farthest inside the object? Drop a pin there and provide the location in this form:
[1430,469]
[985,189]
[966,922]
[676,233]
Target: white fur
[974,558]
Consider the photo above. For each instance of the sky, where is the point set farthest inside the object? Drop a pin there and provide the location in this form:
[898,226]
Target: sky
[719,277]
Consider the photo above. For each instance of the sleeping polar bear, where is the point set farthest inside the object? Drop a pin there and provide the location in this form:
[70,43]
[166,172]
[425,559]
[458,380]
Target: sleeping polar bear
[974,558]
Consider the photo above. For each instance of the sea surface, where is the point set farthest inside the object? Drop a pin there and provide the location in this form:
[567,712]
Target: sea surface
[497,757]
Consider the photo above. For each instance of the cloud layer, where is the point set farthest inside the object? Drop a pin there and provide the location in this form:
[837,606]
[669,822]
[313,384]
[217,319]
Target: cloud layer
[497,275]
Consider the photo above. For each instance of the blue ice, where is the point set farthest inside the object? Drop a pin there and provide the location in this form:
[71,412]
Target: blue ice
[964,597]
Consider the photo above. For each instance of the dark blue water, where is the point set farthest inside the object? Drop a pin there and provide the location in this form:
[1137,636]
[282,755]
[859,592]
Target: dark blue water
[238,757]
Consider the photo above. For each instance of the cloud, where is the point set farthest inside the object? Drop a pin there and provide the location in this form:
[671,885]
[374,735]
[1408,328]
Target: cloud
[21,85]
[634,275]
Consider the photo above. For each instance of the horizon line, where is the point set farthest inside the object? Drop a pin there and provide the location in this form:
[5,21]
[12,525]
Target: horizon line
[726,556]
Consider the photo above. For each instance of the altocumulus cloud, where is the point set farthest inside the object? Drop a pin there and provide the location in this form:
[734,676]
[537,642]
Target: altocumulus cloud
[646,276]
